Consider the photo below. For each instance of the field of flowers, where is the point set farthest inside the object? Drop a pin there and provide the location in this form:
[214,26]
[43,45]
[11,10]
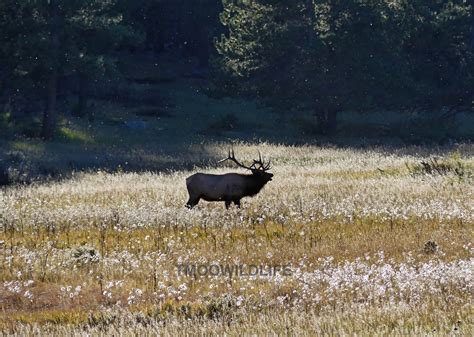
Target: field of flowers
[360,241]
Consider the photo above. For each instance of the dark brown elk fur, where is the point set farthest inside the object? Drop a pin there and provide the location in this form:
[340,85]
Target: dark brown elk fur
[230,187]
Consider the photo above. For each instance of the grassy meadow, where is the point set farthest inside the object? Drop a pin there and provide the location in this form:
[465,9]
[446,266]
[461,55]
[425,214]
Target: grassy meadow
[376,243]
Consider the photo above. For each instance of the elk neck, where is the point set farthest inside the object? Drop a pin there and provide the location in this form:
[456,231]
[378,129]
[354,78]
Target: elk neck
[253,184]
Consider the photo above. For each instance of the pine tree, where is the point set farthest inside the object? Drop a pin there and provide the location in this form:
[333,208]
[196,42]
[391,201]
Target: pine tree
[333,55]
[46,40]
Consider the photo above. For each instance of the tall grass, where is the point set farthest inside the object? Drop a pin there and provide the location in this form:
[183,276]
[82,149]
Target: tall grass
[372,249]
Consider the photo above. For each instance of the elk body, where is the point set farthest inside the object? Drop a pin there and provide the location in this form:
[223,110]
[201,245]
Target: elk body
[230,187]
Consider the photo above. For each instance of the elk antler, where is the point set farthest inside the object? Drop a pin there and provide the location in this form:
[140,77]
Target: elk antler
[260,162]
[231,156]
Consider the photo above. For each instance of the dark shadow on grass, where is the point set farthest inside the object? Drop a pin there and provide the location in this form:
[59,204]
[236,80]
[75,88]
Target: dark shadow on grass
[57,162]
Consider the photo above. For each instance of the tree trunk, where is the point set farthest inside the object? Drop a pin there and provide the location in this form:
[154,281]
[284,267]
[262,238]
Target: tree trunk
[332,121]
[327,120]
[310,13]
[472,29]
[49,117]
[4,176]
[82,97]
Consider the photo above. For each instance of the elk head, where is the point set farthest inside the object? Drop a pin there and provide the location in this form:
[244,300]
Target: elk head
[258,168]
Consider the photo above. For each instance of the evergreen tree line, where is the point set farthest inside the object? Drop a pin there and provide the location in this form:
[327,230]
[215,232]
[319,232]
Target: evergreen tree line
[359,55]
[51,49]
[324,55]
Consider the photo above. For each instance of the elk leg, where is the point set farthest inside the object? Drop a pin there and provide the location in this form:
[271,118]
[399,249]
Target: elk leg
[227,204]
[237,202]
[192,202]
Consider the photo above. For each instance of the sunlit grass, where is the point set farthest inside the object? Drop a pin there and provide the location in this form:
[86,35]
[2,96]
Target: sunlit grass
[26,146]
[373,246]
[69,134]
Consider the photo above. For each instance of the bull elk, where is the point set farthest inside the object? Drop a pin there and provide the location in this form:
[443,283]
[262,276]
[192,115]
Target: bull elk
[230,187]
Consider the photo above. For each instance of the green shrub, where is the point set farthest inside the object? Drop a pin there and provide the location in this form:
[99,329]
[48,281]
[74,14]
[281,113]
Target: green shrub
[435,166]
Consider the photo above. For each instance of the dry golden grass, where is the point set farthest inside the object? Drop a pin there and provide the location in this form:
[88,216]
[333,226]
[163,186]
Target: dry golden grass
[374,247]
